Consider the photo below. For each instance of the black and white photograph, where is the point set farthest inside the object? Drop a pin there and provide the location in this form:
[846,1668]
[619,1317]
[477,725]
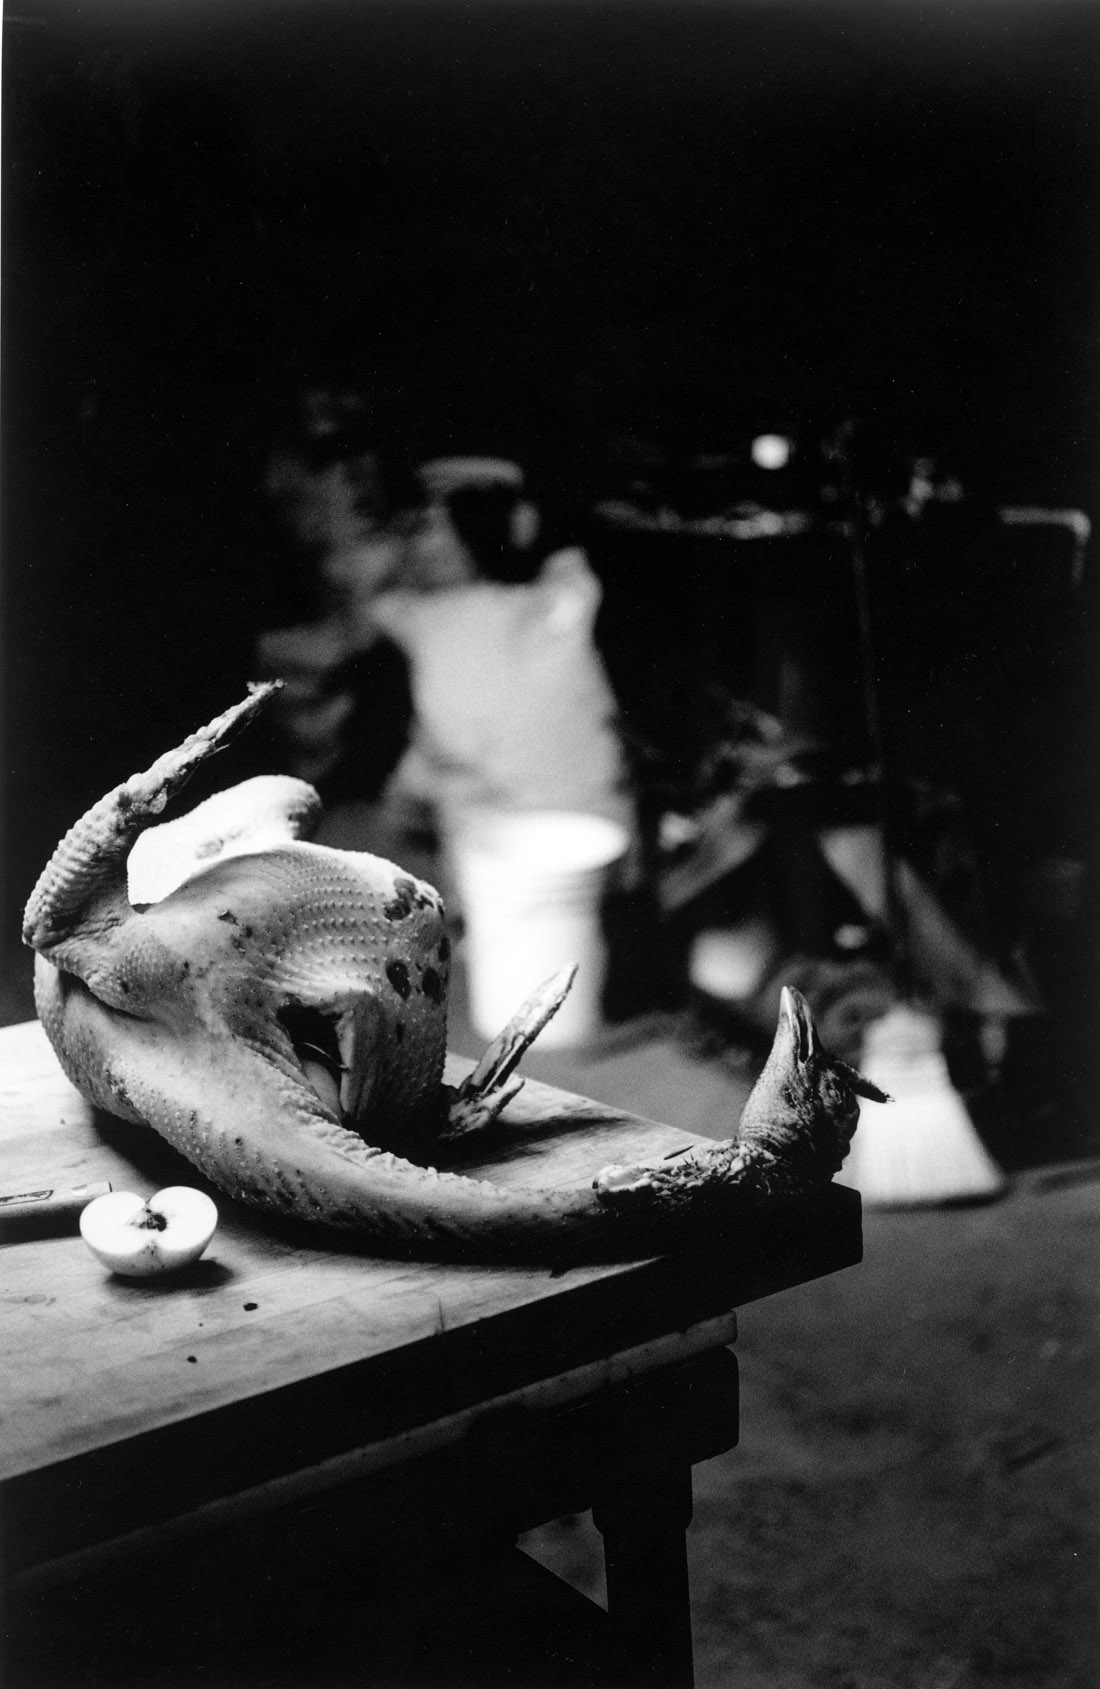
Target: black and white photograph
[549,944]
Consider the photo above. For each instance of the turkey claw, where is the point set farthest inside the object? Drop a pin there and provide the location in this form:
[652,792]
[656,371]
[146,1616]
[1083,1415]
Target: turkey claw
[486,1092]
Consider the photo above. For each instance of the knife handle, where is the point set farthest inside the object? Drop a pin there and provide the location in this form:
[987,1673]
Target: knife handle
[37,1213]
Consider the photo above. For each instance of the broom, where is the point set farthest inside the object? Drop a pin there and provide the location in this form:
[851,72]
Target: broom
[925,1150]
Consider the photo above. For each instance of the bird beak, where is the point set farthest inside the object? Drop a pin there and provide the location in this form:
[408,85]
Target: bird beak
[797,1022]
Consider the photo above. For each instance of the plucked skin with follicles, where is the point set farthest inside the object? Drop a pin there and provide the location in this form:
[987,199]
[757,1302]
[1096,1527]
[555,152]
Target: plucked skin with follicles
[276,1010]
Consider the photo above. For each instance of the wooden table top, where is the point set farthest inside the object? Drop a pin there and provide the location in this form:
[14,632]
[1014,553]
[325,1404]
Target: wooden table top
[288,1351]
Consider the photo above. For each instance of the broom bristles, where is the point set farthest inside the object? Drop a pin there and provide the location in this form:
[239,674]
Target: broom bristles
[924,1149]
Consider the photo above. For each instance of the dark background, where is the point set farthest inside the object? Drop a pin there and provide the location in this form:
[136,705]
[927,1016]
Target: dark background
[529,225]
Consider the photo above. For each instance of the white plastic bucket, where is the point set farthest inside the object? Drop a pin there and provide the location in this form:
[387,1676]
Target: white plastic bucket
[531,885]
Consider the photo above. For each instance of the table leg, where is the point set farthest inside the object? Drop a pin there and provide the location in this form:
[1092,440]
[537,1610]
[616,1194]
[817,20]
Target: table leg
[644,1525]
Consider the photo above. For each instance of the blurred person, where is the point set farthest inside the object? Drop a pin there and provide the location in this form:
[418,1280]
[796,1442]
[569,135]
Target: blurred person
[512,708]
[340,505]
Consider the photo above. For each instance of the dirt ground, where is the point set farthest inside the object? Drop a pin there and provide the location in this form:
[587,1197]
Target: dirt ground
[913,1504]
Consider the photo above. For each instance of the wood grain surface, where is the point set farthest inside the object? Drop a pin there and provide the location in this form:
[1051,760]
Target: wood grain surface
[281,1349]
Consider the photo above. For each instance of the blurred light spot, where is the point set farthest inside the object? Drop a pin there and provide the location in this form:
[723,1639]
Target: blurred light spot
[771,451]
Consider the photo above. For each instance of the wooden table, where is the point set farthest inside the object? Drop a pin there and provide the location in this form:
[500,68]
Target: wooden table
[282,1391]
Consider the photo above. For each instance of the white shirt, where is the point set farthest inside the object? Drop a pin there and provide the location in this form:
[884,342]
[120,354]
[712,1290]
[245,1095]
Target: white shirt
[513,708]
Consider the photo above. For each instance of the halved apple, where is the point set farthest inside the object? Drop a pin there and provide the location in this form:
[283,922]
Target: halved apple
[138,1238]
